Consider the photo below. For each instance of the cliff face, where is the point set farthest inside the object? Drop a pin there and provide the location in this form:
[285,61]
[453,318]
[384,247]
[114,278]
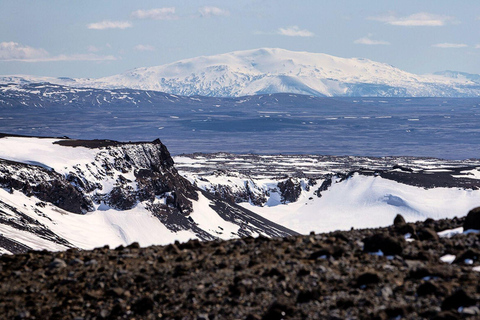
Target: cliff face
[122,189]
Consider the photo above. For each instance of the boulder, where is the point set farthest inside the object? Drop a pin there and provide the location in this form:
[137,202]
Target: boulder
[387,244]
[472,221]
[399,221]
[427,234]
[458,299]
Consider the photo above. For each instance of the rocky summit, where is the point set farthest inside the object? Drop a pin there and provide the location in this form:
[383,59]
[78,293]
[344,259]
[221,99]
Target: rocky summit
[425,270]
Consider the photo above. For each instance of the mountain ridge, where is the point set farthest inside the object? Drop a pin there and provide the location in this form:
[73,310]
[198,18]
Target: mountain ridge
[61,193]
[273,70]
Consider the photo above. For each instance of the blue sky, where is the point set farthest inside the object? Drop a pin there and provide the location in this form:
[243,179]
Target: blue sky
[100,38]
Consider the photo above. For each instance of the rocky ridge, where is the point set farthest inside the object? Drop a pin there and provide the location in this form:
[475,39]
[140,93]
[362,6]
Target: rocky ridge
[95,177]
[404,271]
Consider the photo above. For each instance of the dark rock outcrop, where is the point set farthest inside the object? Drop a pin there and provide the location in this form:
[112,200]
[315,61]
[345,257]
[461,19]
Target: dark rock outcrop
[399,220]
[472,221]
[289,190]
[45,184]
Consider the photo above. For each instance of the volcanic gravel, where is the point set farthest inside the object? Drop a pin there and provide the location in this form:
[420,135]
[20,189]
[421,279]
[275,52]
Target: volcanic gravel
[339,275]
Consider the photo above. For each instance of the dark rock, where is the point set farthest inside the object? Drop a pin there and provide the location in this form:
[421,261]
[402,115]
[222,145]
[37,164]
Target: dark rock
[143,305]
[472,221]
[431,271]
[459,299]
[387,244]
[307,296]
[324,252]
[399,220]
[447,315]
[289,190]
[396,311]
[407,228]
[278,311]
[327,183]
[471,254]
[427,234]
[133,245]
[368,278]
[427,288]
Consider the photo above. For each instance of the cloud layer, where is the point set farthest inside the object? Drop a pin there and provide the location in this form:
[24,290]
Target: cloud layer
[421,19]
[13,51]
[294,31]
[107,24]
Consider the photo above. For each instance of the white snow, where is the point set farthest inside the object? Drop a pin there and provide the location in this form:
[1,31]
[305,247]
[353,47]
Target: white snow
[207,219]
[448,258]
[43,152]
[91,230]
[267,70]
[451,232]
[367,202]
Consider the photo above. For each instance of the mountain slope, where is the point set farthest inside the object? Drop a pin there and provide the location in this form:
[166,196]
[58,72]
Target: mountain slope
[60,193]
[268,70]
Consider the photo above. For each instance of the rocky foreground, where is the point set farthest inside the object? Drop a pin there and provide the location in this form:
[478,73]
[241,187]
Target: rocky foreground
[358,274]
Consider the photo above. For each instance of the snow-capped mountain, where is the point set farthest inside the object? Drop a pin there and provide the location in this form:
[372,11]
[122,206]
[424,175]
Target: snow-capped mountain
[268,70]
[61,193]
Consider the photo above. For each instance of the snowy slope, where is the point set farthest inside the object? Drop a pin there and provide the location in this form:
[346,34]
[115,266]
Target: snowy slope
[269,70]
[60,193]
[368,202]
[337,193]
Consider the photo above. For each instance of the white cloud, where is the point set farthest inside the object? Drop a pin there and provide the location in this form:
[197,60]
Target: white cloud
[477,46]
[294,31]
[144,47]
[107,24]
[155,14]
[213,11]
[13,51]
[369,41]
[450,45]
[16,51]
[421,19]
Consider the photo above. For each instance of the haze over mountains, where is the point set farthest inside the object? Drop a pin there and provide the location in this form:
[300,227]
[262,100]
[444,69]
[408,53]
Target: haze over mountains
[265,71]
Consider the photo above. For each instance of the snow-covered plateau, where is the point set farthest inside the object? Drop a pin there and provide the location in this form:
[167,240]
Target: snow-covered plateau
[270,70]
[326,193]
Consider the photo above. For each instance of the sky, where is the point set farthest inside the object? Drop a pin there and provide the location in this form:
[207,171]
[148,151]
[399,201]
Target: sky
[84,38]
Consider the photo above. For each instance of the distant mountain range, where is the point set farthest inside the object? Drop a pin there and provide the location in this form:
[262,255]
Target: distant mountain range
[265,71]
